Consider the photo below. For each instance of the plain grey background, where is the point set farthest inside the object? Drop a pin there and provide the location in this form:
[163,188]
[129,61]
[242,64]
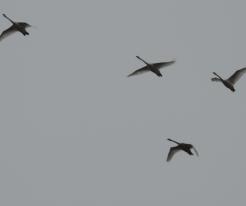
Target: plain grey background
[76,131]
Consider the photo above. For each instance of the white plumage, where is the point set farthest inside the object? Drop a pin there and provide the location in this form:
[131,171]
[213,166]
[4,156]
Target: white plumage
[153,67]
[230,82]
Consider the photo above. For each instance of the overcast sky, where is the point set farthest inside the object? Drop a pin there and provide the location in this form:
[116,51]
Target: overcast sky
[76,131]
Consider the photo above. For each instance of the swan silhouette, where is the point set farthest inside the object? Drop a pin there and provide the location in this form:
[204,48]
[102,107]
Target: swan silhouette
[15,27]
[153,67]
[180,146]
[230,82]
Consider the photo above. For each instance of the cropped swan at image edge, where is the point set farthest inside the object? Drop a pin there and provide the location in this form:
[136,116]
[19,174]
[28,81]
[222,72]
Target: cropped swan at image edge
[15,27]
[230,82]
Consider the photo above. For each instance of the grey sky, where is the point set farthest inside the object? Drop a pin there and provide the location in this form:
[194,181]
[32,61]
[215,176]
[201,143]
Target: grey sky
[76,131]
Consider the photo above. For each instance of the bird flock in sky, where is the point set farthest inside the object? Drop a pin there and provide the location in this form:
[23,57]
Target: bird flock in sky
[153,67]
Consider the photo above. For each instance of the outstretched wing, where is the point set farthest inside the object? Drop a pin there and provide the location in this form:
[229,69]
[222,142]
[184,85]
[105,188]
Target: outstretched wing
[139,71]
[7,32]
[215,79]
[23,24]
[172,152]
[163,64]
[236,76]
[195,150]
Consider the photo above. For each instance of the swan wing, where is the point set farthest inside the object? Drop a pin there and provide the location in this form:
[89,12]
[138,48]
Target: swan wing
[236,76]
[7,32]
[195,150]
[23,24]
[139,71]
[172,152]
[163,64]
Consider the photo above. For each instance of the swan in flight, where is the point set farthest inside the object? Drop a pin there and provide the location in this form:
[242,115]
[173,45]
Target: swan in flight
[16,26]
[229,83]
[153,67]
[180,146]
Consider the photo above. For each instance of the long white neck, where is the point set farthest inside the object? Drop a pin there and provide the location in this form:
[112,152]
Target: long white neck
[173,141]
[142,60]
[218,76]
[4,15]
